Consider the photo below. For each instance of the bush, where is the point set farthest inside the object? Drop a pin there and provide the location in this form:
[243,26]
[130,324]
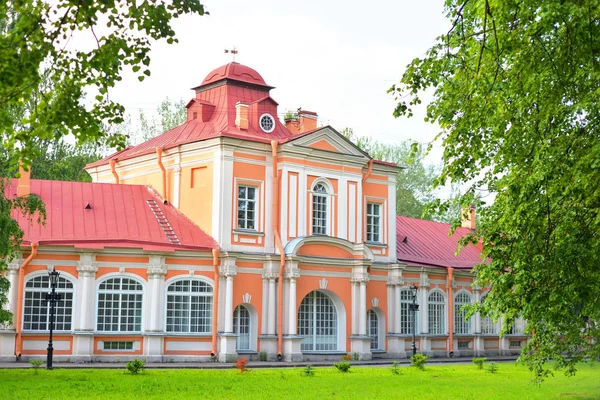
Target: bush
[262,356]
[492,368]
[342,366]
[355,356]
[395,369]
[136,366]
[241,365]
[36,364]
[418,361]
[309,370]
[347,357]
[479,362]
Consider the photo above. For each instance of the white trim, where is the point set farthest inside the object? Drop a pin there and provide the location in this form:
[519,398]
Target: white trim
[63,274]
[129,275]
[274,123]
[176,279]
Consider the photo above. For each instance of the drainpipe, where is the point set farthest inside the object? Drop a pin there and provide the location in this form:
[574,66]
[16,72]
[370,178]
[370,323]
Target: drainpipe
[216,254]
[113,164]
[159,151]
[275,213]
[369,170]
[19,310]
[450,312]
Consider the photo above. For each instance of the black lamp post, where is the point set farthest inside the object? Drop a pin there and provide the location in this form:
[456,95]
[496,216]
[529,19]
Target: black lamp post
[53,298]
[414,307]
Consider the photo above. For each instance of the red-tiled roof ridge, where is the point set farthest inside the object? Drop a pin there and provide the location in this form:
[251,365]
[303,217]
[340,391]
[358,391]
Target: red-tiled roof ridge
[426,243]
[119,216]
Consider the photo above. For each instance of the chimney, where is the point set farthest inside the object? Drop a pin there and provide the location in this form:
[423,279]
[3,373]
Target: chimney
[307,121]
[23,183]
[241,115]
[467,217]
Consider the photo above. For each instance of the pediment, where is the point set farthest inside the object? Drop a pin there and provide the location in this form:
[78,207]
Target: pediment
[328,139]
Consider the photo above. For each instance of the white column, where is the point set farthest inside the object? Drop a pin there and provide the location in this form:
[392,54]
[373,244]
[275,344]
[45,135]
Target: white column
[13,278]
[272,317]
[477,317]
[86,269]
[423,306]
[156,289]
[362,321]
[229,304]
[292,308]
[397,327]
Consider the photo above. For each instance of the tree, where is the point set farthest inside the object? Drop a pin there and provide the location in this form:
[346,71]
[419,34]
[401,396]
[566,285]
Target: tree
[45,79]
[414,184]
[515,94]
[171,113]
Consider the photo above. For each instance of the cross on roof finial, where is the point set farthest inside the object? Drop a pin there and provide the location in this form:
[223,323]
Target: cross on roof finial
[233,52]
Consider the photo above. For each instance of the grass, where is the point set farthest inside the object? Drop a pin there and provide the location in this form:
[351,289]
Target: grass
[436,382]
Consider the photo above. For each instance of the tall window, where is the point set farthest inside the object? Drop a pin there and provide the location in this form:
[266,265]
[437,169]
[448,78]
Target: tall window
[517,327]
[241,326]
[189,306]
[247,207]
[460,324]
[317,322]
[436,307]
[120,305]
[319,210]
[36,314]
[488,327]
[373,321]
[406,314]
[373,222]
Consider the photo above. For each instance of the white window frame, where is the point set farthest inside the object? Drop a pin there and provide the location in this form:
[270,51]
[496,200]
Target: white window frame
[120,293]
[436,306]
[374,329]
[328,195]
[256,207]
[379,227]
[462,327]
[188,295]
[310,343]
[488,327]
[43,291]
[272,120]
[243,338]
[406,314]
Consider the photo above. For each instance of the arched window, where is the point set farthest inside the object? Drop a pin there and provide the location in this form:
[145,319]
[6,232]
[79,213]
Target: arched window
[406,314]
[488,327]
[437,310]
[461,326]
[120,305]
[319,212]
[36,314]
[241,326]
[317,322]
[373,321]
[189,306]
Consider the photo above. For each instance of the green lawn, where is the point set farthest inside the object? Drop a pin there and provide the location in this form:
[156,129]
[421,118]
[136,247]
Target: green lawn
[436,382]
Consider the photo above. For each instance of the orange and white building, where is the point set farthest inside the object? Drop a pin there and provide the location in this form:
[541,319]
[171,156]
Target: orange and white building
[236,234]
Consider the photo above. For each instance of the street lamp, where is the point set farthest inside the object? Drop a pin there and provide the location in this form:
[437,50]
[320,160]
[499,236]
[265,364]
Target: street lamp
[414,307]
[53,298]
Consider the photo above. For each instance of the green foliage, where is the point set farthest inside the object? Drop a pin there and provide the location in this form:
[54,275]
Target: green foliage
[309,370]
[414,183]
[418,361]
[343,366]
[355,356]
[136,366]
[479,362]
[289,114]
[515,93]
[395,368]
[169,114]
[492,368]
[263,356]
[36,364]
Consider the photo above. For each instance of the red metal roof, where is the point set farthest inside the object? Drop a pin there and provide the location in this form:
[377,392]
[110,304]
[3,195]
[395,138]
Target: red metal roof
[426,243]
[234,71]
[118,216]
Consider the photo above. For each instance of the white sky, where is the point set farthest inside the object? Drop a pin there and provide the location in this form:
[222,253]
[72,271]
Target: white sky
[337,58]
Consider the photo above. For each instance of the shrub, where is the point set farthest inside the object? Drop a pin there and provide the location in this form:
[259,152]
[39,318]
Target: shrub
[395,369]
[355,356]
[36,364]
[342,366]
[241,365]
[136,366]
[479,362]
[309,370]
[347,357]
[418,361]
[262,356]
[492,368]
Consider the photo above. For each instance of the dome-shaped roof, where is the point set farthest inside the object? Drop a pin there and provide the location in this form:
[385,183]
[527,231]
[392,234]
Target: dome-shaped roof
[234,71]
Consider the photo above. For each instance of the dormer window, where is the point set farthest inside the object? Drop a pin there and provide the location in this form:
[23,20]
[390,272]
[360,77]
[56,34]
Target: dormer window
[267,123]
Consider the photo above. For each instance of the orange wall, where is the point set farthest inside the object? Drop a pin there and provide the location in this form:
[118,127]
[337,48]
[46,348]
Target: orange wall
[196,194]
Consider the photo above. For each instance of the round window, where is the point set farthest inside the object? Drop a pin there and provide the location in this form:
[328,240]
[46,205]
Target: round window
[267,123]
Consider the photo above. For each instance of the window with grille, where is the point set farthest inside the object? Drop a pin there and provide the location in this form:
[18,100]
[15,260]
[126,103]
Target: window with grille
[517,327]
[247,207]
[189,306]
[267,123]
[488,327]
[36,312]
[373,222]
[120,305]
[319,210]
[461,326]
[241,326]
[436,307]
[373,321]
[463,345]
[406,314]
[117,346]
[514,343]
[317,322]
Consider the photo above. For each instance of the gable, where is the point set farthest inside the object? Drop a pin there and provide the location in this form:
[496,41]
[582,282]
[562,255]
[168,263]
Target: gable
[327,139]
[324,145]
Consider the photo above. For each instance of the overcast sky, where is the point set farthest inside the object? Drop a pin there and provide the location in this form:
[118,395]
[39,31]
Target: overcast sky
[337,58]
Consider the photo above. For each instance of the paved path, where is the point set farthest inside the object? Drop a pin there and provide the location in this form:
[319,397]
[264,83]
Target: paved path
[253,364]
